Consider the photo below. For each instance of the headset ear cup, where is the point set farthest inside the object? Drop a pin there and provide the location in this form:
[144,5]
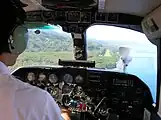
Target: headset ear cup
[20,40]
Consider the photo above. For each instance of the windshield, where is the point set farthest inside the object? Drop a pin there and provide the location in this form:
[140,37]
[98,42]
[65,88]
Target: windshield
[123,50]
[112,48]
[46,45]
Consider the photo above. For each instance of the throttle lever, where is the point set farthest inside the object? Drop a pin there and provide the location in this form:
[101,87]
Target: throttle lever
[99,104]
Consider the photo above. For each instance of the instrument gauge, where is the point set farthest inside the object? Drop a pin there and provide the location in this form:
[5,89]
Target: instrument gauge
[53,78]
[66,89]
[42,77]
[55,92]
[68,78]
[31,76]
[79,79]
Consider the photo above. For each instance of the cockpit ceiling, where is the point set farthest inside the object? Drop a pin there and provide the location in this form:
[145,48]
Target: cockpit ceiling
[133,7]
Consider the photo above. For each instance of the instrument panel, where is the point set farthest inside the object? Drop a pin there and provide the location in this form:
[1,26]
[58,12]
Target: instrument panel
[94,91]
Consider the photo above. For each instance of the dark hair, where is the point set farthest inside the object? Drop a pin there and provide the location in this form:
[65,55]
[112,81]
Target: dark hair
[12,13]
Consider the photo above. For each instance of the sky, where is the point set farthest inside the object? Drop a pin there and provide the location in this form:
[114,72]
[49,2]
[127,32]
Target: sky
[119,36]
[103,32]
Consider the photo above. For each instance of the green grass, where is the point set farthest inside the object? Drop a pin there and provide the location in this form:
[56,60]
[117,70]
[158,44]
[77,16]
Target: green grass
[41,58]
[51,58]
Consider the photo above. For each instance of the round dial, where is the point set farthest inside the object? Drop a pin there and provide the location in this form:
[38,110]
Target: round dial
[53,78]
[31,76]
[79,79]
[66,89]
[42,77]
[55,92]
[68,78]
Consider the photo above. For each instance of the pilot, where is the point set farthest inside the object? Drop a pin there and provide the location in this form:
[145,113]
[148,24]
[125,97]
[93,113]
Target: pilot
[19,100]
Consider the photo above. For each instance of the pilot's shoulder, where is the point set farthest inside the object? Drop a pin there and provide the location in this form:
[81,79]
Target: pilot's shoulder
[31,98]
[29,92]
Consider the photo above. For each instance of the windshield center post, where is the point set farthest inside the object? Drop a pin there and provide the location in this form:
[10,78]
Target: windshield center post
[79,44]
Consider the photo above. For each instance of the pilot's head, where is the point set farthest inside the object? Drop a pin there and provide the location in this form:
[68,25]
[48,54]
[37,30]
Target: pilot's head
[13,34]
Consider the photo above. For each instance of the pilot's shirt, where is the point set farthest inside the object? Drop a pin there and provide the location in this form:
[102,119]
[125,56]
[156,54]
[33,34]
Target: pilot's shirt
[21,101]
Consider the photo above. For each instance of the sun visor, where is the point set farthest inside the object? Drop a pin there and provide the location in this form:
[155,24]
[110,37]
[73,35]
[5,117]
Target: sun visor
[151,24]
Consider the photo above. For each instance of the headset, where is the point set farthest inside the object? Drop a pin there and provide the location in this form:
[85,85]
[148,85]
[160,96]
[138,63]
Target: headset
[18,40]
[18,36]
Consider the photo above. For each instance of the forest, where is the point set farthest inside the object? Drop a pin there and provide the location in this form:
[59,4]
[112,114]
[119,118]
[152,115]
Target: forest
[48,46]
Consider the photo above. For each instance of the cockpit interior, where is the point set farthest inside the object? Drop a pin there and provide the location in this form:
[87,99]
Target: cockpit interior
[98,58]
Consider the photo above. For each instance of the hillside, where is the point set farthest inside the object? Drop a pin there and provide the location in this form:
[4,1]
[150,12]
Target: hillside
[56,40]
[49,40]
